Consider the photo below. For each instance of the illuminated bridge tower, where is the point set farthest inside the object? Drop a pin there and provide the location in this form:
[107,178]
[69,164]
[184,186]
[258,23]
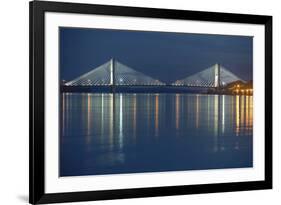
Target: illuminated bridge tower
[112,75]
[217,82]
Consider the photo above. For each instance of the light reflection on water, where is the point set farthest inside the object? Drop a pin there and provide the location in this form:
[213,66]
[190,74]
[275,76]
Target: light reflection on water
[128,133]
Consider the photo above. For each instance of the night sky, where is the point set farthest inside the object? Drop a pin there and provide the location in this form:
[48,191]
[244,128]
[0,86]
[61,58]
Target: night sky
[161,55]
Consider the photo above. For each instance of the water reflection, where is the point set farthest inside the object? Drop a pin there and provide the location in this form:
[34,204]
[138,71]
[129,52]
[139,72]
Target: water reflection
[237,114]
[216,124]
[177,111]
[123,133]
[134,116]
[223,114]
[156,117]
[121,121]
[111,120]
[197,111]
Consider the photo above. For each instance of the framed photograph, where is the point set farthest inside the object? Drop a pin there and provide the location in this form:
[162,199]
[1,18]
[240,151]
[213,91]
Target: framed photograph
[140,102]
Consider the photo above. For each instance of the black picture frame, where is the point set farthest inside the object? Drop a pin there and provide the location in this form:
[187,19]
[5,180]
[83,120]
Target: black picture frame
[37,193]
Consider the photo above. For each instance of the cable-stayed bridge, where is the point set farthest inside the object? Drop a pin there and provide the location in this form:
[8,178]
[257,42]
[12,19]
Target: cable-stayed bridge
[115,74]
[213,77]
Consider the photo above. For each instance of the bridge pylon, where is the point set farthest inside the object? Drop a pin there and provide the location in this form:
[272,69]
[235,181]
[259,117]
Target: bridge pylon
[217,80]
[112,75]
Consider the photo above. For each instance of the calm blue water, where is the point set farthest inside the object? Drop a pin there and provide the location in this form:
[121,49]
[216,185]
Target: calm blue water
[129,133]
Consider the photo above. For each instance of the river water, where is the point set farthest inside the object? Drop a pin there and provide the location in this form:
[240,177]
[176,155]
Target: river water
[132,133]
